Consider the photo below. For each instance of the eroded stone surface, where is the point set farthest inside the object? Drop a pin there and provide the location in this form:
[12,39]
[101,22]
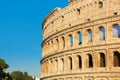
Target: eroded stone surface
[96,56]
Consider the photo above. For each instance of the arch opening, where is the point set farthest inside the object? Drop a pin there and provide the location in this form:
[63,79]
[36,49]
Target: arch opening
[80,62]
[70,63]
[116,59]
[116,30]
[102,33]
[79,37]
[71,40]
[90,61]
[89,35]
[102,60]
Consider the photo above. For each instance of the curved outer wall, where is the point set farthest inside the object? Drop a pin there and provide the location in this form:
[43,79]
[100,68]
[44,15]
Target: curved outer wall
[82,41]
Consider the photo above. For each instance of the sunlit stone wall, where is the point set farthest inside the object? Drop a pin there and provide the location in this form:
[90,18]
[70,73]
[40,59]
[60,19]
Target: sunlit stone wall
[82,41]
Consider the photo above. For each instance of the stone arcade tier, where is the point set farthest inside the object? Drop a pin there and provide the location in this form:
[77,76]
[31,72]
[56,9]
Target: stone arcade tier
[82,41]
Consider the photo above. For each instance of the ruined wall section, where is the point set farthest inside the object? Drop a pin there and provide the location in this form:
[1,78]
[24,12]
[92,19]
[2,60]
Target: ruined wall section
[96,56]
[78,12]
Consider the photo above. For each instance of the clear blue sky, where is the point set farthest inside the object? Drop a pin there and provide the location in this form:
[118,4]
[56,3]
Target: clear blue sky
[21,33]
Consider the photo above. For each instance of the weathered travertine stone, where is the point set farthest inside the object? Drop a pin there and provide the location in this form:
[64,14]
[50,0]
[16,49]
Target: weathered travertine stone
[82,41]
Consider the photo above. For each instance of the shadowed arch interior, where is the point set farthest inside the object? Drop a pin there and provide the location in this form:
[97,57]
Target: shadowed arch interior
[90,61]
[80,62]
[116,59]
[70,63]
[102,60]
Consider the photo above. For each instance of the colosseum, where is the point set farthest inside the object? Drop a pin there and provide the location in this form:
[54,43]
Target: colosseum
[82,41]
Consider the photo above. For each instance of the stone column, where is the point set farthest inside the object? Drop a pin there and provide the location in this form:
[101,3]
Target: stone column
[41,69]
[50,47]
[109,32]
[85,35]
[56,66]
[96,61]
[74,58]
[75,39]
[109,59]
[96,35]
[44,69]
[65,64]
[84,60]
[44,52]
[46,48]
[51,68]
[54,45]
[59,65]
[48,67]
[66,41]
[60,43]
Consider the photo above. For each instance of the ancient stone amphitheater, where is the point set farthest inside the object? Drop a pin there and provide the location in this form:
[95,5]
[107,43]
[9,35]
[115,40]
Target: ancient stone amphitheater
[82,41]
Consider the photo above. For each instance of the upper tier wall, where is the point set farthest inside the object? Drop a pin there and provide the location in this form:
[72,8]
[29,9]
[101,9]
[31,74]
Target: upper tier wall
[78,12]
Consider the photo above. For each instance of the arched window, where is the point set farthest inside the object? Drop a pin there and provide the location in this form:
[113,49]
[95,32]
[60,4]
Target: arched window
[71,40]
[89,35]
[80,37]
[100,4]
[70,63]
[63,39]
[80,62]
[102,60]
[102,33]
[90,60]
[116,30]
[116,59]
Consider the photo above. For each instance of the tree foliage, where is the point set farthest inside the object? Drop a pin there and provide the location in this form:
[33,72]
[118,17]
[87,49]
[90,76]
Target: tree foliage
[18,75]
[3,65]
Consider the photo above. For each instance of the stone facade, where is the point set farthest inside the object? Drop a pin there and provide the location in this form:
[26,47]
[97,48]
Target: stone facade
[82,41]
